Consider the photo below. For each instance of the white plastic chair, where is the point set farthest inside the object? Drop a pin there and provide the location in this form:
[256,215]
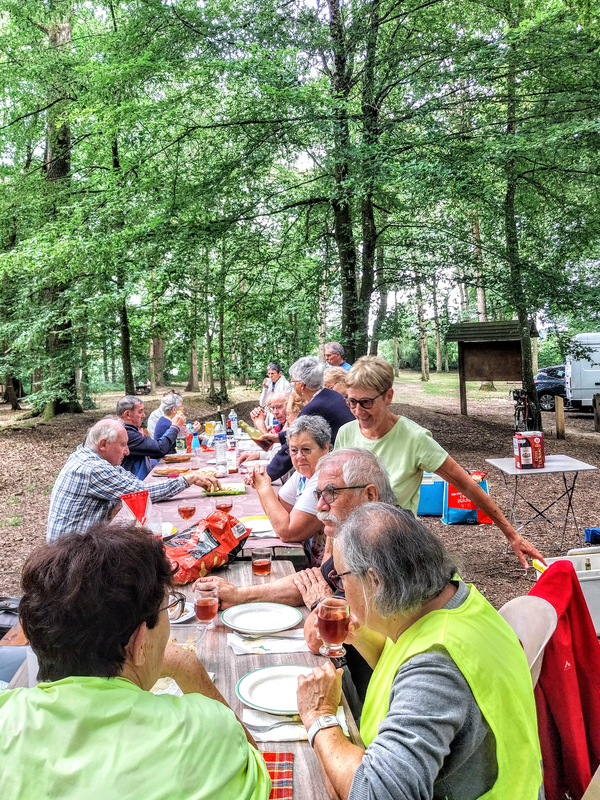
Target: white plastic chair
[534,621]
[593,790]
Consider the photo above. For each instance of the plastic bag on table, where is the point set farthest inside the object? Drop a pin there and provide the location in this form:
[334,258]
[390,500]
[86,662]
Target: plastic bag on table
[211,543]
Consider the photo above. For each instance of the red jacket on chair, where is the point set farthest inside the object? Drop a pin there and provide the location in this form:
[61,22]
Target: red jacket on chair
[567,694]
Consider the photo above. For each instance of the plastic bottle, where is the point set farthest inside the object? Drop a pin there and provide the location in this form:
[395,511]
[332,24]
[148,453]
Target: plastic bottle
[190,426]
[195,445]
[220,445]
[233,421]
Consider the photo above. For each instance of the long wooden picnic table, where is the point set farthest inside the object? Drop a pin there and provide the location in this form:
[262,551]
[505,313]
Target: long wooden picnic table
[219,658]
[244,505]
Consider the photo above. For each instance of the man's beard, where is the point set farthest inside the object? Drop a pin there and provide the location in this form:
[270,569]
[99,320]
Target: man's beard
[326,516]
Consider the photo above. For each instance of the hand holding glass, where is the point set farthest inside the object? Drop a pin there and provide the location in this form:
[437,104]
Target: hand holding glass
[206,605]
[333,618]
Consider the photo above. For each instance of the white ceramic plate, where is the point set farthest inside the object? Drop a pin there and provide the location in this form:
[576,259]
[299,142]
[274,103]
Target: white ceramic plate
[212,461]
[257,524]
[272,689]
[261,617]
[186,616]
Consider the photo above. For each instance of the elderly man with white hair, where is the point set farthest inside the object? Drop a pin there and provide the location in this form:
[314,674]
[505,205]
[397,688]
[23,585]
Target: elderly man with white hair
[90,484]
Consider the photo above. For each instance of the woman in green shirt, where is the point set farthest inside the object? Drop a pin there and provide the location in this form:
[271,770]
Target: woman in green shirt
[407,450]
[95,610]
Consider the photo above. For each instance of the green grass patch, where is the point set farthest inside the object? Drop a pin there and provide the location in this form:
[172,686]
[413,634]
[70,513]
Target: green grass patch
[13,500]
[12,521]
[31,487]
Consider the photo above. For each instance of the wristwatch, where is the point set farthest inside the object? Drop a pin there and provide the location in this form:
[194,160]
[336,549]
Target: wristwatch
[327,721]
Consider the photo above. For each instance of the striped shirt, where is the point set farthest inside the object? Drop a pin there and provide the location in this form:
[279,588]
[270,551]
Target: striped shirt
[88,487]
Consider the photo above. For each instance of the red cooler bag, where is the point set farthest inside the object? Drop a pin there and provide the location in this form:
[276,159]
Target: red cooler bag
[459,510]
[211,543]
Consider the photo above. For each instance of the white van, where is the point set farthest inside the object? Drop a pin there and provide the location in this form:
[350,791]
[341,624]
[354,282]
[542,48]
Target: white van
[582,377]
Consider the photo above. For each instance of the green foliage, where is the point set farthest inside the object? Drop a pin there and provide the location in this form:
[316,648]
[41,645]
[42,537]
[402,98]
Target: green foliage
[210,145]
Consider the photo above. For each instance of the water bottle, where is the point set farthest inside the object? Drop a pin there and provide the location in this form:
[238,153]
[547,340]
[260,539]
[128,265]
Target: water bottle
[196,445]
[233,421]
[190,426]
[220,444]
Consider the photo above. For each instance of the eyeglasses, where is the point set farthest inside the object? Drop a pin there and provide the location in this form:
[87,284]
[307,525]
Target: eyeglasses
[336,579]
[276,408]
[366,402]
[329,492]
[306,451]
[176,606]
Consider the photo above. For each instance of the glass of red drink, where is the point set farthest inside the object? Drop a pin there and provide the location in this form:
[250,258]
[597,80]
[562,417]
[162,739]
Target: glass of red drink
[333,616]
[186,509]
[261,561]
[224,504]
[206,605]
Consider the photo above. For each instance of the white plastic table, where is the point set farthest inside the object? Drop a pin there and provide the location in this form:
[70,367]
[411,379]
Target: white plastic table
[554,464]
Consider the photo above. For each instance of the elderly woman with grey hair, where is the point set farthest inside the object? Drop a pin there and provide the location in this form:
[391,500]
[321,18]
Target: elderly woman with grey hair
[172,404]
[293,513]
[449,710]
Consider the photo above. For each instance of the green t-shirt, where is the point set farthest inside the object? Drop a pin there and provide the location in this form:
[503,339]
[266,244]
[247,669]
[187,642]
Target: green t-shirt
[407,451]
[106,739]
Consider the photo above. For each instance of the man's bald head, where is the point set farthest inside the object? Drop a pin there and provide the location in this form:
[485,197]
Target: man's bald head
[337,472]
[108,438]
[277,404]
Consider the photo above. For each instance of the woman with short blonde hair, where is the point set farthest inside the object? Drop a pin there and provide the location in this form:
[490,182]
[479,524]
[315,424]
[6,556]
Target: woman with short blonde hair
[371,372]
[335,378]
[406,449]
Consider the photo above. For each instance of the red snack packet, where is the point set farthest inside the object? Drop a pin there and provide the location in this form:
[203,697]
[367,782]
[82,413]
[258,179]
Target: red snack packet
[212,542]
[477,475]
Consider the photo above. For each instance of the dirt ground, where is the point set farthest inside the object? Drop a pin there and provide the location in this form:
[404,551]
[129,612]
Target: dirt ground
[32,454]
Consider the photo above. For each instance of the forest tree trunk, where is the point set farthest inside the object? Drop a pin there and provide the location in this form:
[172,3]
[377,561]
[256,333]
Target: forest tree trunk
[192,385]
[512,240]
[422,331]
[436,322]
[383,302]
[323,297]
[57,164]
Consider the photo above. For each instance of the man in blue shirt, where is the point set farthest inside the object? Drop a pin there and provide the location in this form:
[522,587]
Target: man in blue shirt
[334,355]
[142,448]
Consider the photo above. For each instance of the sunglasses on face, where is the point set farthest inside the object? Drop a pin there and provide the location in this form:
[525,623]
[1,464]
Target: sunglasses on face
[328,493]
[365,402]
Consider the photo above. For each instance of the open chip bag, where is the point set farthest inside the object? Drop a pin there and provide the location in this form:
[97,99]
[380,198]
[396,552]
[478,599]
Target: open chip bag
[210,543]
[458,509]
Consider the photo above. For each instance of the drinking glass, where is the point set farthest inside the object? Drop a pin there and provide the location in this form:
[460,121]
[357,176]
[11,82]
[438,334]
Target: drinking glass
[186,509]
[261,560]
[333,617]
[206,605]
[224,504]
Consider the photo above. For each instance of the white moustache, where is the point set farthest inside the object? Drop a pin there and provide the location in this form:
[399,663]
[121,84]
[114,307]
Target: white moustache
[325,516]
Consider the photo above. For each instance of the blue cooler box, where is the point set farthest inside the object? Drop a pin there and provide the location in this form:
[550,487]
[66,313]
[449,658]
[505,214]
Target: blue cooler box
[431,499]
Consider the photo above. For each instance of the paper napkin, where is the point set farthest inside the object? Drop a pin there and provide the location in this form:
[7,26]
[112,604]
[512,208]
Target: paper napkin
[283,642]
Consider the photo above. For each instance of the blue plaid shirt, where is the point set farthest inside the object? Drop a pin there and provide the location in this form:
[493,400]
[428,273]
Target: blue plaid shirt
[88,487]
